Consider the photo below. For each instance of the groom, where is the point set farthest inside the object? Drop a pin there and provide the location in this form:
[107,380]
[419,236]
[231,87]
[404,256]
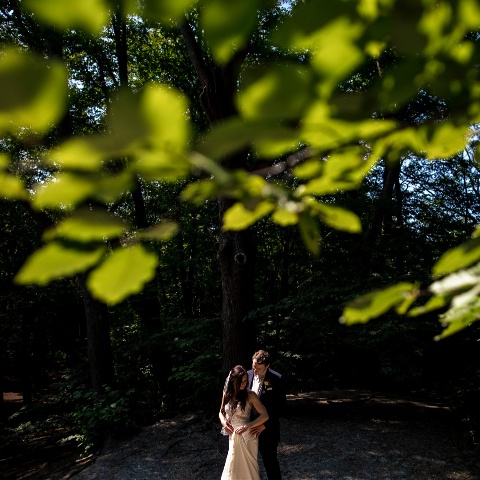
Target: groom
[269,386]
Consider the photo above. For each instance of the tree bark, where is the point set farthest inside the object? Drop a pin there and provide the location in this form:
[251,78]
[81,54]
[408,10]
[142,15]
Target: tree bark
[100,357]
[236,249]
[384,211]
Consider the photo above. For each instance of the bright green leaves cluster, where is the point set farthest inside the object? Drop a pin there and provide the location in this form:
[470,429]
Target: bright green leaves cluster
[148,133]
[33,92]
[89,15]
[124,272]
[376,303]
[459,289]
[56,260]
[279,92]
[10,185]
[284,107]
[228,25]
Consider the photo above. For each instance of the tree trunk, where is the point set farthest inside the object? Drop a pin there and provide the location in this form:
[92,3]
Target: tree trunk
[100,357]
[236,249]
[236,257]
[384,211]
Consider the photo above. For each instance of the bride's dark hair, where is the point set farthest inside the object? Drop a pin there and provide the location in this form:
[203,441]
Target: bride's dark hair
[232,393]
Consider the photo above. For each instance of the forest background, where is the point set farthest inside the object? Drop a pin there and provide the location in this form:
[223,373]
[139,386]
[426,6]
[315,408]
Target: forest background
[184,184]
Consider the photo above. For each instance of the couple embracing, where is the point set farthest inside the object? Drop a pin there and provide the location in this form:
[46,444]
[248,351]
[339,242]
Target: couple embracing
[251,406]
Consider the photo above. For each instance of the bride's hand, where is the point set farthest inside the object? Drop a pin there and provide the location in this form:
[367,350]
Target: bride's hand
[242,429]
[228,428]
[258,429]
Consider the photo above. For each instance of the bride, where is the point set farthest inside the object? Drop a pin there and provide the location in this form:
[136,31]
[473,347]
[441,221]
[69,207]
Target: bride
[237,403]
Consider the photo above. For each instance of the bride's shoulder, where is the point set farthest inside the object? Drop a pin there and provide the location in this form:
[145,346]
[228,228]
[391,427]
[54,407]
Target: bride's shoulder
[251,395]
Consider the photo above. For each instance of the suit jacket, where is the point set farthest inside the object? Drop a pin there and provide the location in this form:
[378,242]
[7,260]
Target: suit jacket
[273,397]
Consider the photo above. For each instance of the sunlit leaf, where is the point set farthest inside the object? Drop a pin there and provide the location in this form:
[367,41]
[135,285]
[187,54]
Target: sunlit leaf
[374,304]
[12,187]
[228,25]
[161,165]
[343,170]
[285,217]
[55,261]
[238,217]
[165,110]
[403,307]
[123,273]
[337,40]
[434,303]
[454,282]
[90,15]
[337,217]
[109,188]
[88,225]
[459,257]
[33,92]
[199,191]
[308,169]
[457,319]
[167,10]
[447,141]
[76,154]
[66,189]
[235,134]
[279,92]
[321,130]
[164,230]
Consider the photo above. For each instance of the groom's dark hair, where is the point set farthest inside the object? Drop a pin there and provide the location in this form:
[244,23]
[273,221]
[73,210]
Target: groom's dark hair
[262,357]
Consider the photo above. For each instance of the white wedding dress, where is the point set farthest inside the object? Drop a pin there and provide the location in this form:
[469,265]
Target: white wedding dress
[241,463]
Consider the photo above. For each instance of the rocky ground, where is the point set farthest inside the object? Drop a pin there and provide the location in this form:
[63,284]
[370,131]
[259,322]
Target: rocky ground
[348,435]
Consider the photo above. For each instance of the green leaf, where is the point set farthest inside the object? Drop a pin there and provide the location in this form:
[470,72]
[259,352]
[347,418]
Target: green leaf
[88,225]
[337,217]
[310,233]
[199,191]
[458,257]
[285,217]
[167,10]
[228,25]
[238,217]
[66,189]
[123,273]
[109,188]
[33,91]
[56,261]
[373,304]
[278,92]
[161,165]
[235,134]
[321,130]
[76,154]
[457,319]
[343,170]
[161,231]
[447,141]
[454,282]
[165,111]
[12,187]
[434,303]
[90,15]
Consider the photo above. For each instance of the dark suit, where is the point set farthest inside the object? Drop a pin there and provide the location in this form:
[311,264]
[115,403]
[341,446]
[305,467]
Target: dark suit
[272,395]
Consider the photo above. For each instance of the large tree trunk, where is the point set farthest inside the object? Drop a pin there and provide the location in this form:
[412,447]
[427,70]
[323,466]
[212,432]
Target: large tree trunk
[236,249]
[236,257]
[100,357]
[384,211]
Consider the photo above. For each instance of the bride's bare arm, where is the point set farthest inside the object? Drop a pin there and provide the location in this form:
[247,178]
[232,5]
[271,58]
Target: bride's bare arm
[223,420]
